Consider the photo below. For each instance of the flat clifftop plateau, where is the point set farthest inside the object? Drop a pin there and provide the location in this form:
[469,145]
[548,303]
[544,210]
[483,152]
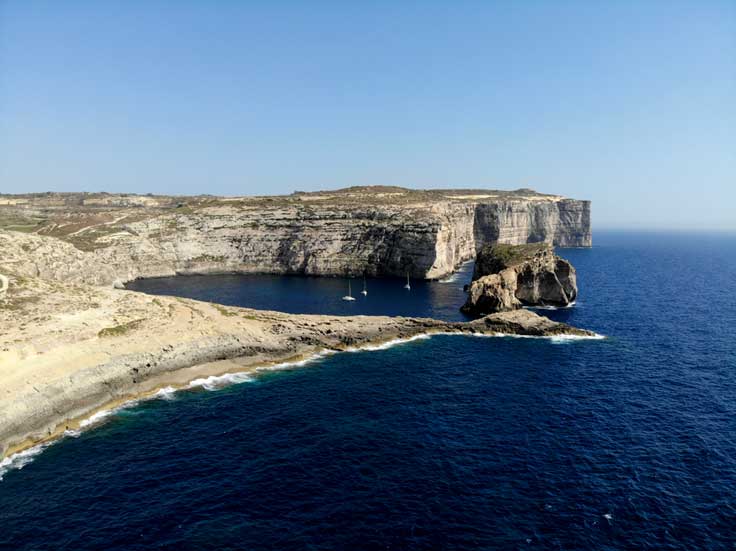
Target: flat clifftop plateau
[375,230]
[507,277]
[373,195]
[68,349]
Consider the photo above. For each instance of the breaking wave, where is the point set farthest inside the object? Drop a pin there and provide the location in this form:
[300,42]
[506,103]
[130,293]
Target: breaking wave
[216,382]
[166,393]
[19,460]
[550,307]
[389,344]
[461,272]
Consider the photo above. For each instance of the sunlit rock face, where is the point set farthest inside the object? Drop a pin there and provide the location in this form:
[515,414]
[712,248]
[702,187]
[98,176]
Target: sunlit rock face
[508,277]
[377,231]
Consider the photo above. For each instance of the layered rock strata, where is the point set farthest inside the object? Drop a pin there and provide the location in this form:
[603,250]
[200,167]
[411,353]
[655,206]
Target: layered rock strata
[507,277]
[376,231]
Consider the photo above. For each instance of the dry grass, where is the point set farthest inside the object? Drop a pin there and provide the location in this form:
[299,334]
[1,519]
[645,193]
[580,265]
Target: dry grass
[119,330]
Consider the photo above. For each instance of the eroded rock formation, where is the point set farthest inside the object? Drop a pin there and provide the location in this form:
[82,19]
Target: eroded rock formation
[507,277]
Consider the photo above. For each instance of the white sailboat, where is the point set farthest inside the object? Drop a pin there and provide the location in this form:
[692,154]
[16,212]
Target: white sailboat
[349,296]
[364,292]
[407,286]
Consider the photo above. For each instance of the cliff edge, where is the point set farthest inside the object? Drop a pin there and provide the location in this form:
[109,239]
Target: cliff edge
[375,230]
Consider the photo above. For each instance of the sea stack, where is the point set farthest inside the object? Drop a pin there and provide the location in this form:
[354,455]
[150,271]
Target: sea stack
[508,277]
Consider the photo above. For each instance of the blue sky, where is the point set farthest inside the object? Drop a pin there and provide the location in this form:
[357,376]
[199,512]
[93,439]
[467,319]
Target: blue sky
[629,104]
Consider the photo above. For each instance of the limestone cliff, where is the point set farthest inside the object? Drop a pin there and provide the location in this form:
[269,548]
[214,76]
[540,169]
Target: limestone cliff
[507,277]
[380,231]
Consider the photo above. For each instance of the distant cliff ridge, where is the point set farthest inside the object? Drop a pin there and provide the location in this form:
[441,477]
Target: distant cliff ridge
[381,231]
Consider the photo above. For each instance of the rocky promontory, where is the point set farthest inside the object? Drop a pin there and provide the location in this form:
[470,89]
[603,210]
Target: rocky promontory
[508,277]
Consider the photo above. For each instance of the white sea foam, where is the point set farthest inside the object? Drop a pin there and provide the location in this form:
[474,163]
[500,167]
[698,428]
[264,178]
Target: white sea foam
[388,344]
[451,278]
[166,393]
[216,382]
[457,274]
[21,459]
[297,363]
[103,414]
[96,418]
[556,339]
[550,307]
[567,339]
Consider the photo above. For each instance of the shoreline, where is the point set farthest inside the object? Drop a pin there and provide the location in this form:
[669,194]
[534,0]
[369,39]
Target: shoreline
[70,349]
[176,381]
[77,424]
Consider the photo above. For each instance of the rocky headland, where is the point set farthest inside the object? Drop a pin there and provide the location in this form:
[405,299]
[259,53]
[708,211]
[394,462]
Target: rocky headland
[508,277]
[377,231]
[72,344]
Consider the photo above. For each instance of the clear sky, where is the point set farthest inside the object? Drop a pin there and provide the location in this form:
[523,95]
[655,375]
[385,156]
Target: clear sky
[629,104]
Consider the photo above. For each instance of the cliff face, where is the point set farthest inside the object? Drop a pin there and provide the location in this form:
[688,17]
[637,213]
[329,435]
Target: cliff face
[376,231]
[509,277]
[564,223]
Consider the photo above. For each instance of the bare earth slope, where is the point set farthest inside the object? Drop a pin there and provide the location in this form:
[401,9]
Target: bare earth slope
[372,230]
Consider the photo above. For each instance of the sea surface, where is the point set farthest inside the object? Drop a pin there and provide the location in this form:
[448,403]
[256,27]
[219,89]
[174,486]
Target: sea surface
[449,442]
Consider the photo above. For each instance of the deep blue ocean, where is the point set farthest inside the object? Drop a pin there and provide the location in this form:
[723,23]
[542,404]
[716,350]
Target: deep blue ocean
[444,443]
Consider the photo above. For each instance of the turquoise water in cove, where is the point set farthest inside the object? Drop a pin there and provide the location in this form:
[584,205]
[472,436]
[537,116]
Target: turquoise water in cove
[442,443]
